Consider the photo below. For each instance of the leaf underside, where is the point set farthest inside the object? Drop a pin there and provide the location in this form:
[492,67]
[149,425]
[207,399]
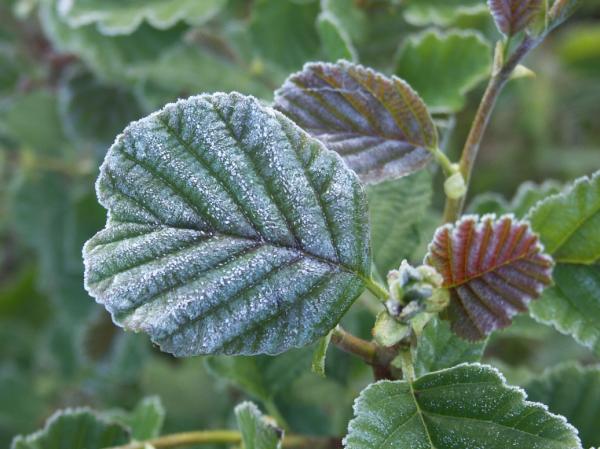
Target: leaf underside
[379,125]
[465,407]
[512,16]
[230,230]
[493,269]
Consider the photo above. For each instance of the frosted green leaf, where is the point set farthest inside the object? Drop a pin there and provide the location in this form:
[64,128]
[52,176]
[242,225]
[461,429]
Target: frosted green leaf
[443,67]
[93,111]
[379,125]
[230,230]
[465,407]
[397,208]
[263,377]
[440,12]
[74,429]
[574,392]
[439,348]
[258,431]
[110,57]
[124,17]
[568,226]
[283,31]
[335,41]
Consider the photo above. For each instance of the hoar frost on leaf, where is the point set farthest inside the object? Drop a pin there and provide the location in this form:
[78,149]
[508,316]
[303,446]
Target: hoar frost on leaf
[230,230]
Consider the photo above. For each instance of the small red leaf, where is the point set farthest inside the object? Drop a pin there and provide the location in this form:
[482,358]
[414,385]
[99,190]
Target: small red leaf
[493,269]
[512,16]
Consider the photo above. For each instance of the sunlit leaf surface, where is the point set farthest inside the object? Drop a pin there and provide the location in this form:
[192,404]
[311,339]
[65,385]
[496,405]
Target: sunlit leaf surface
[493,268]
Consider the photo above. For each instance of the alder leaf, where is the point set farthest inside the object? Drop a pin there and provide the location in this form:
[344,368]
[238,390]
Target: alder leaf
[493,269]
[439,348]
[258,431]
[230,230]
[379,125]
[568,226]
[145,421]
[512,16]
[124,17]
[572,391]
[443,67]
[74,429]
[465,407]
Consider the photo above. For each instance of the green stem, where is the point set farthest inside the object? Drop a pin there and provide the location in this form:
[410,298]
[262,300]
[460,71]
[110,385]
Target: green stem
[347,342]
[447,165]
[377,290]
[497,82]
[223,437]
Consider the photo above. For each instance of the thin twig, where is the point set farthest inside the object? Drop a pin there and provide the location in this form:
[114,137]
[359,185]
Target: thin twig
[497,82]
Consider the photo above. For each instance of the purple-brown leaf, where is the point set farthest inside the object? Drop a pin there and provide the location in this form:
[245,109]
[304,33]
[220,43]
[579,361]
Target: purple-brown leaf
[512,16]
[493,269]
[379,125]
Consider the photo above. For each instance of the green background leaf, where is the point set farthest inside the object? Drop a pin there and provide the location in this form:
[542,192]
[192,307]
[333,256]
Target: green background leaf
[257,432]
[443,67]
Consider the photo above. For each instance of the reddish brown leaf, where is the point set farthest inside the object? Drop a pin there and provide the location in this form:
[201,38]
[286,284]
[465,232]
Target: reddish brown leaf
[379,125]
[493,269]
[512,16]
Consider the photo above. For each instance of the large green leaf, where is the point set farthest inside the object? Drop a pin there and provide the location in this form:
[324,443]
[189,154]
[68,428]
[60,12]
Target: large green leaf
[230,230]
[568,226]
[397,208]
[124,17]
[469,406]
[574,392]
[74,429]
[439,348]
[379,125]
[440,12]
[258,431]
[335,41]
[443,67]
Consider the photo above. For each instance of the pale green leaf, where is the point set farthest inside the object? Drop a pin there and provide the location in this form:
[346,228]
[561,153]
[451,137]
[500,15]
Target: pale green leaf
[396,209]
[443,67]
[574,392]
[465,407]
[111,57]
[74,429]
[124,17]
[568,226]
[230,230]
[284,32]
[439,348]
[258,431]
[441,12]
[320,355]
[335,41]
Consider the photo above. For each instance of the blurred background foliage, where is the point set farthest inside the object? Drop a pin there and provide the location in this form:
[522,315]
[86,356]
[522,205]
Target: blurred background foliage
[70,82]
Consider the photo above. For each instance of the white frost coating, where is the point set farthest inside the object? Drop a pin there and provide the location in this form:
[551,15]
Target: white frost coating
[374,421]
[230,230]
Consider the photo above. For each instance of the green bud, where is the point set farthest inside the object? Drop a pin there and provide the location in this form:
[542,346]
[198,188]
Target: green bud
[455,186]
[387,331]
